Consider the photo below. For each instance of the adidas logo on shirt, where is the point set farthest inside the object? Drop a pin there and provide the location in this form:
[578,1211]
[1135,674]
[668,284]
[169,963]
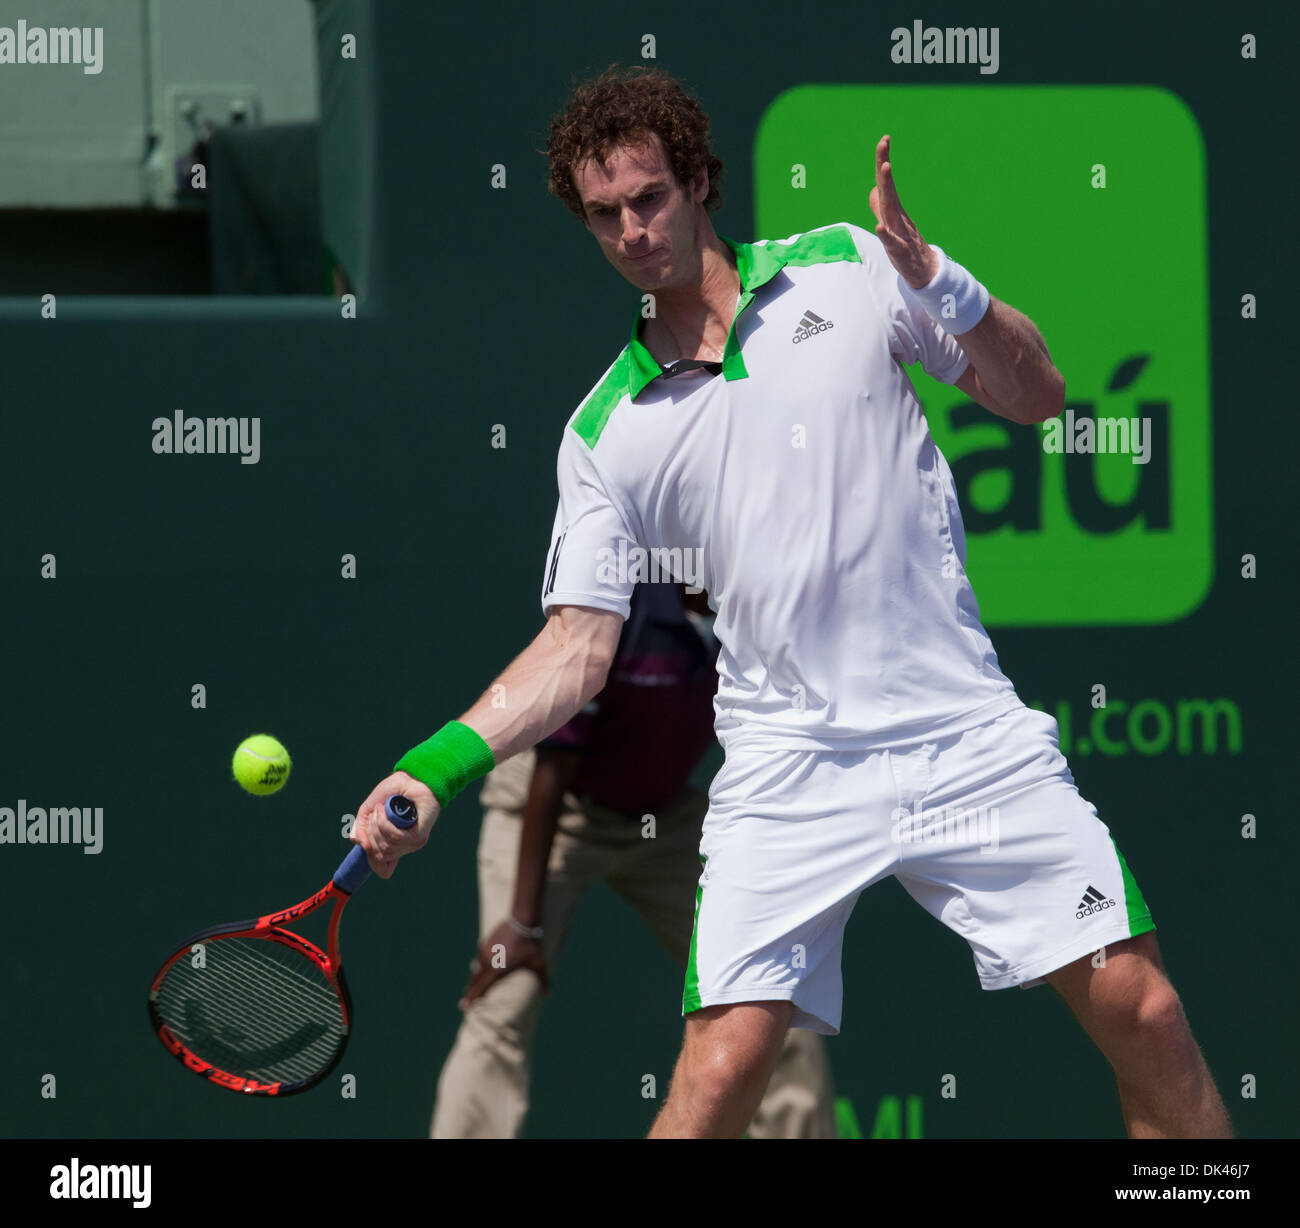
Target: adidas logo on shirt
[809,326]
[1093,901]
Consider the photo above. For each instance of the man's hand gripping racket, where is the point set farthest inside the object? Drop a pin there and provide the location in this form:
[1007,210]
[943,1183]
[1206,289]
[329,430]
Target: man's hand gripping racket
[253,1006]
[382,844]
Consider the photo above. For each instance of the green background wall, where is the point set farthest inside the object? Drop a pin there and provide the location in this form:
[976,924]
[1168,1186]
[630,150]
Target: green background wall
[494,307]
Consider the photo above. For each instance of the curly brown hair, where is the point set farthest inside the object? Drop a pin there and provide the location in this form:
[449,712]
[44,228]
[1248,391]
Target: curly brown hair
[622,106]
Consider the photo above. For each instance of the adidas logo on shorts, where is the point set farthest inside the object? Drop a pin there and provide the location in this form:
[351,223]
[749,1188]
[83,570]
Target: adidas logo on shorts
[1093,901]
[810,326]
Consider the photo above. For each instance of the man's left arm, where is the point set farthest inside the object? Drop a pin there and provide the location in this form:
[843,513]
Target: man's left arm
[1010,373]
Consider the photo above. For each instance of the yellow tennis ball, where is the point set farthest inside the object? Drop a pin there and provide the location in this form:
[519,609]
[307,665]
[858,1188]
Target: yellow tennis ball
[261,764]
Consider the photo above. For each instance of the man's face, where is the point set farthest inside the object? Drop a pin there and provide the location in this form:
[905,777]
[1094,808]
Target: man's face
[643,219]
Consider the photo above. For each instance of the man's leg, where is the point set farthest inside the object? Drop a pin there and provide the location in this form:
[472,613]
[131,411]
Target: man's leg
[727,1058]
[1130,1010]
[658,878]
[1004,850]
[786,854]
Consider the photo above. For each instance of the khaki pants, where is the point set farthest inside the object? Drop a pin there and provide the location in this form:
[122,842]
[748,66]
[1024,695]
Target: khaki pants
[483,1089]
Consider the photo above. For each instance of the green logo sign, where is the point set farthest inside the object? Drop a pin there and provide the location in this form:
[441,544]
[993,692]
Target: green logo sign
[1083,207]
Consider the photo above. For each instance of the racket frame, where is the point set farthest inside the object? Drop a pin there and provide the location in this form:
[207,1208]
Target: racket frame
[352,872]
[269,928]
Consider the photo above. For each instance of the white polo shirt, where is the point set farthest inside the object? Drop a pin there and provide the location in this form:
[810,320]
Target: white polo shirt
[801,488]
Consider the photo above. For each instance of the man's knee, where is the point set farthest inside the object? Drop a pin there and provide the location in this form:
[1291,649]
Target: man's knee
[1160,1011]
[734,1045]
[1145,1005]
[1137,995]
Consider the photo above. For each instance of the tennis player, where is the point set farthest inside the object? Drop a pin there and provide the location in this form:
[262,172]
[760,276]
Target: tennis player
[574,812]
[760,424]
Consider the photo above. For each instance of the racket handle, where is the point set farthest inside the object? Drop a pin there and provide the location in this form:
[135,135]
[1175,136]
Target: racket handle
[400,812]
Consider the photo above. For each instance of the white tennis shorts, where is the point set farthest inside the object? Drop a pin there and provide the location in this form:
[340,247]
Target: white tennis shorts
[985,829]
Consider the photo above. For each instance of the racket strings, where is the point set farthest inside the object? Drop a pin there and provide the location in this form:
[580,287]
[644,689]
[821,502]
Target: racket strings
[255,1008]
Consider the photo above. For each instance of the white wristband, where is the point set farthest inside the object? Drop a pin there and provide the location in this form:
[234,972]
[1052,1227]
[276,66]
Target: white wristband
[954,300]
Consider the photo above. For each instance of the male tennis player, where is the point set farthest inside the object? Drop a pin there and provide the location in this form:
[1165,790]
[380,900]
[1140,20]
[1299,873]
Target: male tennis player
[574,813]
[762,417]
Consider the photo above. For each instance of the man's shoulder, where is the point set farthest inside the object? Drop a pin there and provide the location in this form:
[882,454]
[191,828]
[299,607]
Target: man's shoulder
[594,410]
[836,241]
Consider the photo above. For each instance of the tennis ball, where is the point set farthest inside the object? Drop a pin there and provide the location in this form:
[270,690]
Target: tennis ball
[261,764]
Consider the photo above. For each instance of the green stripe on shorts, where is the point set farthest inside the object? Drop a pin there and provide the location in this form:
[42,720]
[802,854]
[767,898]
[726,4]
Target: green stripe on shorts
[691,991]
[1139,915]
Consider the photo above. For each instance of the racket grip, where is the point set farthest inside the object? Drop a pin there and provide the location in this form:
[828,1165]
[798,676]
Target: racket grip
[400,812]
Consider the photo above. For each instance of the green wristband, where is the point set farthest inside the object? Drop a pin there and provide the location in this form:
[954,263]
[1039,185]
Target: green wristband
[448,761]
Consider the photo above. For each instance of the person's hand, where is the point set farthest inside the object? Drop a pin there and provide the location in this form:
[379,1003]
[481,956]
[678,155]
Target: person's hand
[910,254]
[383,842]
[502,952]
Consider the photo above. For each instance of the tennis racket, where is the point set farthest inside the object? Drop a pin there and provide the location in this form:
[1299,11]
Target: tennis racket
[254,1007]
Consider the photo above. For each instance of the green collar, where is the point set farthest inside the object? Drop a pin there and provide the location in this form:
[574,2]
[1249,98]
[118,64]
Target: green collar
[756,266]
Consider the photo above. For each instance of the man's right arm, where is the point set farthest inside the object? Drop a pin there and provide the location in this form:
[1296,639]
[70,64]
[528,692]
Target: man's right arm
[549,682]
[540,690]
